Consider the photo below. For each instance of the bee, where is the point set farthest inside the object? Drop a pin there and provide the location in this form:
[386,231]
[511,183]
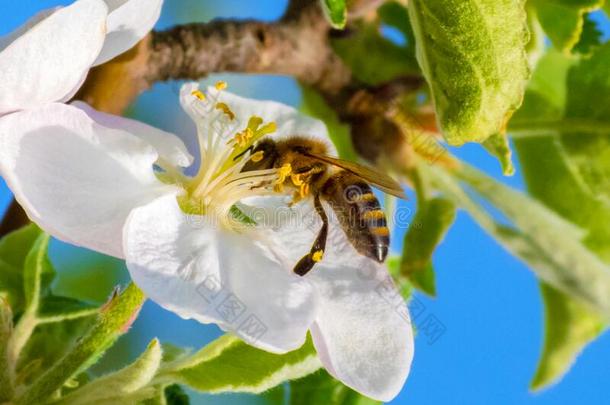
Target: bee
[344,185]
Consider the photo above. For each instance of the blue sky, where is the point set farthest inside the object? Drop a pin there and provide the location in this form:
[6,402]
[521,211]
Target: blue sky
[487,300]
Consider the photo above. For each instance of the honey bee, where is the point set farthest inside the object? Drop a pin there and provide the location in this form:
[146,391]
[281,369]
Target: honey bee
[343,184]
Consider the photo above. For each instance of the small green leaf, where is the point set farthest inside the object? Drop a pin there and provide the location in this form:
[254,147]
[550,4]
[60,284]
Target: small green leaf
[230,365]
[563,20]
[473,55]
[498,146]
[396,15]
[433,219]
[569,327]
[335,12]
[321,388]
[121,383]
[14,249]
[57,309]
[114,320]
[313,104]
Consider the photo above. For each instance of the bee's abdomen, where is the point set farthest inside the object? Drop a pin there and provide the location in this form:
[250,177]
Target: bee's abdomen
[359,213]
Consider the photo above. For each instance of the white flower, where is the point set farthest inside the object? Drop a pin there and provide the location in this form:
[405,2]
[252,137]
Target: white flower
[87,178]
[47,59]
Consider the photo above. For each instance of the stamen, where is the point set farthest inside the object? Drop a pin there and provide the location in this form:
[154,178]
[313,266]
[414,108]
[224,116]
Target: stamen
[296,179]
[199,94]
[221,85]
[225,109]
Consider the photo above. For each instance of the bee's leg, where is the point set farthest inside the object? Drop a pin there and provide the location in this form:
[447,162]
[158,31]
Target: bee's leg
[317,249]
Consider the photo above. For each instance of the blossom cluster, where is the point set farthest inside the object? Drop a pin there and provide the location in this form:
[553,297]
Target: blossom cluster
[119,187]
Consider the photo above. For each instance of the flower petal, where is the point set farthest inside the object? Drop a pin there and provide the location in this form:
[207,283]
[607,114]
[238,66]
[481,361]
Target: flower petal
[168,146]
[128,22]
[363,333]
[78,180]
[48,61]
[200,271]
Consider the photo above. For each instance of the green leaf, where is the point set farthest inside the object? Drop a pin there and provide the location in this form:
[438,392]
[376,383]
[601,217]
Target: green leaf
[321,388]
[38,273]
[313,104]
[14,249]
[590,38]
[551,177]
[121,383]
[570,326]
[433,219]
[372,58]
[499,147]
[335,12]
[473,55]
[396,15]
[548,243]
[563,20]
[230,365]
[588,98]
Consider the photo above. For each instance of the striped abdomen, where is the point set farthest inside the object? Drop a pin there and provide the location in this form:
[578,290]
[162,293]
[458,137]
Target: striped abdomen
[359,213]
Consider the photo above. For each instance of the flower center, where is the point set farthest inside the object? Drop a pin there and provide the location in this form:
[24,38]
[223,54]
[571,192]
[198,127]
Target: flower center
[225,146]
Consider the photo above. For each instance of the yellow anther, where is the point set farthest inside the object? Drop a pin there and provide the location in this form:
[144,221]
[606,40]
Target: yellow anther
[221,85]
[199,94]
[268,128]
[254,122]
[258,156]
[225,109]
[317,255]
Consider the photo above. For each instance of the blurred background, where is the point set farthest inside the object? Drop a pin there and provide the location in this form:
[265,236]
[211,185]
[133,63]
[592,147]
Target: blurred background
[489,330]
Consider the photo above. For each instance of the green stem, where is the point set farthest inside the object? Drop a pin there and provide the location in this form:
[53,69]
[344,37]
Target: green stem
[114,320]
[533,128]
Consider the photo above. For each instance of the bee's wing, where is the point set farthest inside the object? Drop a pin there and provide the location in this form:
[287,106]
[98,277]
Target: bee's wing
[380,180]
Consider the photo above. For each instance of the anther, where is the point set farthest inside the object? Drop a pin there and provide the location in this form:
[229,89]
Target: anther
[198,94]
[220,85]
[225,109]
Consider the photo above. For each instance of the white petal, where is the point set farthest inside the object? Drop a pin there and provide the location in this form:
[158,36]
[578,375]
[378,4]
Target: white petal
[78,180]
[49,60]
[128,22]
[168,146]
[362,333]
[199,271]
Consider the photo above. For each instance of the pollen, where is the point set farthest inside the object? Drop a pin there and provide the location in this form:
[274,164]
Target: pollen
[296,179]
[282,174]
[226,109]
[221,85]
[304,190]
[258,156]
[199,94]
[317,255]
